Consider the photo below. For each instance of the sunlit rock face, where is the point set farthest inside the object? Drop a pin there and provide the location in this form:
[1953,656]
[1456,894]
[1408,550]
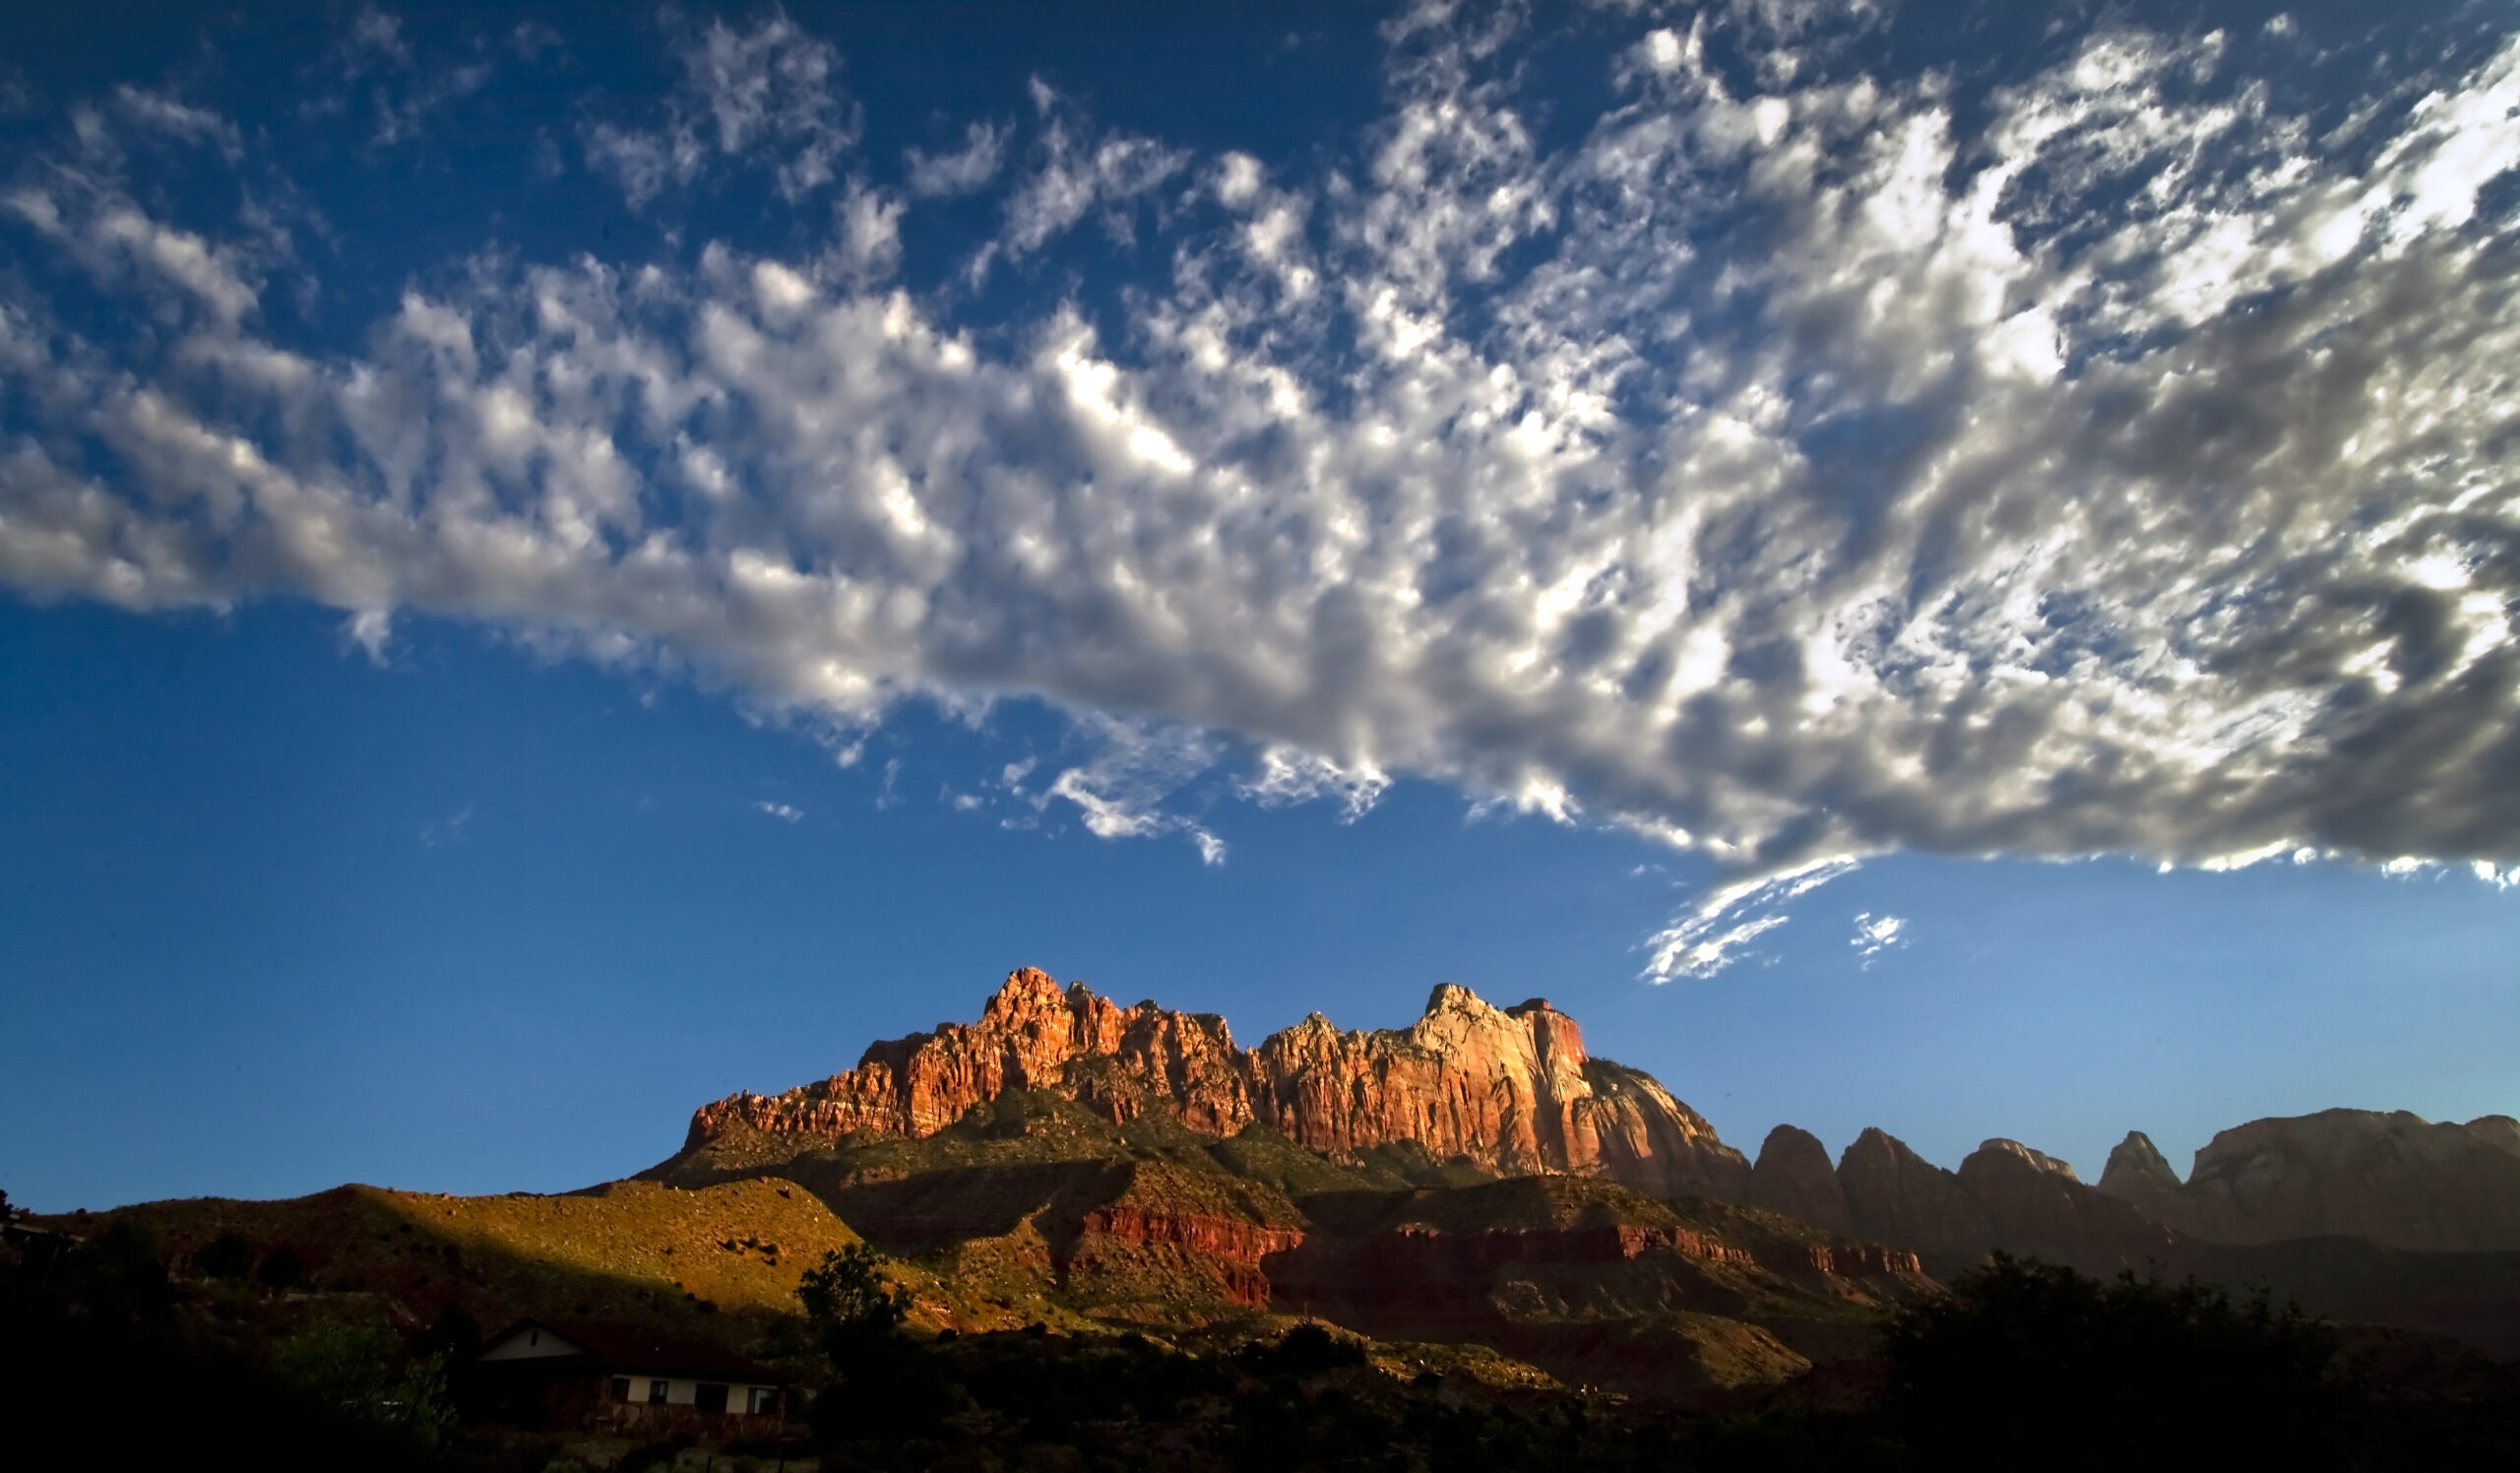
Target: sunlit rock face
[1511,1089]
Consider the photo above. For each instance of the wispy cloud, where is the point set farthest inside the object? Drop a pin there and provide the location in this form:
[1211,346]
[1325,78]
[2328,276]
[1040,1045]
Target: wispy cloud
[1080,170]
[1121,790]
[1876,934]
[448,830]
[372,63]
[966,168]
[784,812]
[1717,931]
[769,95]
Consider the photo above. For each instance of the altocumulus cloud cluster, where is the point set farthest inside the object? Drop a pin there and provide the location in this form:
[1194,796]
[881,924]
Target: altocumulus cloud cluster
[1794,462]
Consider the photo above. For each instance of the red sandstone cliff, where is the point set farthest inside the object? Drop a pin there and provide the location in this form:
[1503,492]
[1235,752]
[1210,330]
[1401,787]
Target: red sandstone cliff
[1511,1089]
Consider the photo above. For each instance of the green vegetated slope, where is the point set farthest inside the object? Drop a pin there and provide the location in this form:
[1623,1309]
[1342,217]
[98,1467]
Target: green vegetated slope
[635,1252]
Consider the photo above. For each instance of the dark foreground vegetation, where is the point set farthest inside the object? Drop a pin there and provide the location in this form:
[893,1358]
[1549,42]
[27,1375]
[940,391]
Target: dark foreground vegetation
[114,1360]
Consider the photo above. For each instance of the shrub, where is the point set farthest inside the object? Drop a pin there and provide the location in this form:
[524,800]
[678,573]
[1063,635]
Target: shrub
[361,1375]
[283,1268]
[226,1257]
[2031,1364]
[1306,1350]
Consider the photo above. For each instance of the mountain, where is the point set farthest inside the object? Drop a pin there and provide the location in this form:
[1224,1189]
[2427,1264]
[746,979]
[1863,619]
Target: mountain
[1475,1179]
[2379,1219]
[2395,1179]
[1510,1091]
[2004,1196]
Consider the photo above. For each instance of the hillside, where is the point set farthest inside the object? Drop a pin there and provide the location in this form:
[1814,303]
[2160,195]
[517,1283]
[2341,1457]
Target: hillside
[629,1251]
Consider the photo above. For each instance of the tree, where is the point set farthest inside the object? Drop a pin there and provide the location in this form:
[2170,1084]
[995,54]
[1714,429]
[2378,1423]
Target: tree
[120,1275]
[883,1386]
[847,1290]
[361,1375]
[2026,1364]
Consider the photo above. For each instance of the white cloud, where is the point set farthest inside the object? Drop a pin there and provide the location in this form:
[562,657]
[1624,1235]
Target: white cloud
[784,812]
[1290,775]
[1121,789]
[371,629]
[1717,931]
[1788,475]
[1875,935]
[1077,171]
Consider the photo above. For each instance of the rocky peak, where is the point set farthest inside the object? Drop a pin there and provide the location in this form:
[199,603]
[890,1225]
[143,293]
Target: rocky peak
[1513,1090]
[1794,1176]
[2032,1203]
[2039,1160]
[2499,1131]
[2394,1178]
[1898,1196]
[2139,1176]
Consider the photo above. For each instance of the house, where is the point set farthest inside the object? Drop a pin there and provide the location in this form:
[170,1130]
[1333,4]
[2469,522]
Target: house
[568,1375]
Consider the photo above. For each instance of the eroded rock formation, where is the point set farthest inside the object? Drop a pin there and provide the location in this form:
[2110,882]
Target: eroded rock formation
[1511,1089]
[2499,1131]
[2033,1204]
[1898,1196]
[2395,1179]
[2139,1176]
[1794,1176]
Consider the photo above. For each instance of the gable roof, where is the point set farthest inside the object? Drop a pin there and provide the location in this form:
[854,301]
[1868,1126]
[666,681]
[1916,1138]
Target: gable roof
[637,1348]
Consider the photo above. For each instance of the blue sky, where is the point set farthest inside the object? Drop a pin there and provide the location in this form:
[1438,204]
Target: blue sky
[1906,567]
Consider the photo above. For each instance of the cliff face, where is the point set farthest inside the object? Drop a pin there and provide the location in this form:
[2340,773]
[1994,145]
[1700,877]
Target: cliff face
[2034,1204]
[1898,1196]
[1029,1036]
[1511,1089]
[2499,1131]
[2005,1195]
[1794,1176]
[2396,1178]
[2138,1175]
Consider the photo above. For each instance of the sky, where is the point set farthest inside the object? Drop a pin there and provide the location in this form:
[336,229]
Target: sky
[1949,567]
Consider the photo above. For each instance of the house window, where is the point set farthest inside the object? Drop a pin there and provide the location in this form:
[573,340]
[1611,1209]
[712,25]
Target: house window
[656,1392]
[621,1388]
[761,1400]
[709,1398]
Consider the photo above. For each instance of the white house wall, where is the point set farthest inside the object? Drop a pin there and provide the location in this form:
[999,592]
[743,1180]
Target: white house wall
[683,1393]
